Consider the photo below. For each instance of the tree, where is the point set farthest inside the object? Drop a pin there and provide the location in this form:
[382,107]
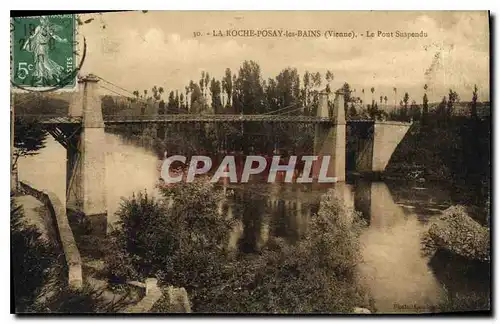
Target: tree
[227,87]
[202,83]
[171,106]
[395,90]
[452,99]
[373,111]
[187,88]
[329,79]
[182,103]
[161,107]
[108,105]
[288,87]
[473,107]
[441,110]
[425,106]
[197,100]
[352,113]
[381,98]
[248,89]
[346,89]
[157,92]
[180,241]
[215,93]
[414,111]
[306,92]
[136,94]
[373,98]
[316,78]
[29,138]
[406,99]
[207,81]
[177,101]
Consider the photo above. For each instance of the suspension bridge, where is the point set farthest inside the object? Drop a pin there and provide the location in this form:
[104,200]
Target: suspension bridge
[81,132]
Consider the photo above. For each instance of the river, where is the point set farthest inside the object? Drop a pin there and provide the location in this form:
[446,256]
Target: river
[397,213]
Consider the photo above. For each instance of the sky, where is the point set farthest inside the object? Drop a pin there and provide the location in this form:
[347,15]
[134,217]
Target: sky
[138,50]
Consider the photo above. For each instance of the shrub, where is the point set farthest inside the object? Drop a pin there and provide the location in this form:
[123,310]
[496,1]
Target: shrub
[87,300]
[31,259]
[143,241]
[458,233]
[466,302]
[181,240]
[315,275]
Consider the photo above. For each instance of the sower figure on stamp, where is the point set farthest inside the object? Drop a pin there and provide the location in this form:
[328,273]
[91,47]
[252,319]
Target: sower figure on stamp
[38,44]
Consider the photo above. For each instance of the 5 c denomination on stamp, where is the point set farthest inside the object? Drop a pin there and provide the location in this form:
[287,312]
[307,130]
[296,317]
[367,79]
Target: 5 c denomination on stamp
[43,52]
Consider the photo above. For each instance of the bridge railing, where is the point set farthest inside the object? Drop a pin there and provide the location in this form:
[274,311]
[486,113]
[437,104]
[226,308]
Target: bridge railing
[213,118]
[186,118]
[51,119]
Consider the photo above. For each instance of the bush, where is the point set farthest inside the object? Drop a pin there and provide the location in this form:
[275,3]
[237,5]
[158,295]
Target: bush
[466,302]
[32,259]
[87,300]
[315,275]
[143,240]
[182,241]
[458,233]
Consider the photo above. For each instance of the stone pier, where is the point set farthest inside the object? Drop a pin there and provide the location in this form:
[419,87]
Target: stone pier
[86,157]
[330,140]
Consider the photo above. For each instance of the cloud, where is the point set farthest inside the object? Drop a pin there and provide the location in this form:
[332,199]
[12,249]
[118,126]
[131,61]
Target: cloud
[158,51]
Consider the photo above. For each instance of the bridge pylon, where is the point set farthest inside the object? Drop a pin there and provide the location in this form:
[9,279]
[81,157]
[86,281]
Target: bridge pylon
[330,139]
[86,159]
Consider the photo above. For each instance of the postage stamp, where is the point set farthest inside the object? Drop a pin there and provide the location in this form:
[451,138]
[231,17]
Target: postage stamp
[43,52]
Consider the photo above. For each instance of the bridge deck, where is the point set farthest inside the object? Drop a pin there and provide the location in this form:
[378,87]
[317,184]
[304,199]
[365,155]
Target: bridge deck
[189,118]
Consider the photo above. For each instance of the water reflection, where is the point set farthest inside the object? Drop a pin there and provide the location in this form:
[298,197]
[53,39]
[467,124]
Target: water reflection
[129,169]
[392,267]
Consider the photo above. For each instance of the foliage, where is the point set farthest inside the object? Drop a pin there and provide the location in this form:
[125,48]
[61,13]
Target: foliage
[39,276]
[314,275]
[466,302]
[246,91]
[458,233]
[29,138]
[167,239]
[425,109]
[141,219]
[173,300]
[182,241]
[31,259]
[455,150]
[87,300]
[473,109]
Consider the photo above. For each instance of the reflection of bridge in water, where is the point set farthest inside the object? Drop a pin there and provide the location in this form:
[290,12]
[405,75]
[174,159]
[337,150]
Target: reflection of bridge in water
[81,132]
[285,210]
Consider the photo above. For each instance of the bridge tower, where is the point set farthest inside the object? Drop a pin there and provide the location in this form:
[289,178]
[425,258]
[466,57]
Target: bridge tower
[86,157]
[330,140]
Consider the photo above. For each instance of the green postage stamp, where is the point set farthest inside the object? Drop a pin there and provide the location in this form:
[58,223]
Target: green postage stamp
[43,52]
